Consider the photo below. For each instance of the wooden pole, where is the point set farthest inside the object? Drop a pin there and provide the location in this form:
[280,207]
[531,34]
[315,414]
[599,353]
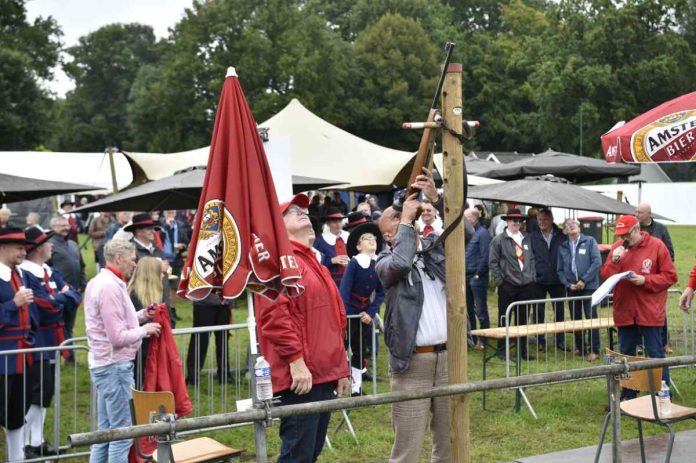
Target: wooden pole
[112,165]
[453,184]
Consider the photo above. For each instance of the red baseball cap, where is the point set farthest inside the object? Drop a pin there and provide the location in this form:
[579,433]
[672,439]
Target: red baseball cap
[624,224]
[299,200]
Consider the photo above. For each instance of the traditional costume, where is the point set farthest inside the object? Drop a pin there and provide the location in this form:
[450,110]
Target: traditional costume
[330,246]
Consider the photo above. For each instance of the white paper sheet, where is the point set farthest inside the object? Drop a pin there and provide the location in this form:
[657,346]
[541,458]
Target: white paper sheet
[606,288]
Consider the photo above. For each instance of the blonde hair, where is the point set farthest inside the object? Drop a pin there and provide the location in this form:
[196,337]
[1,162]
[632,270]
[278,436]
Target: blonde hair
[146,282]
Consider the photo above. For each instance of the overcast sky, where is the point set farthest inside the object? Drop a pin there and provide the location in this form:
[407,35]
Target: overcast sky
[79,17]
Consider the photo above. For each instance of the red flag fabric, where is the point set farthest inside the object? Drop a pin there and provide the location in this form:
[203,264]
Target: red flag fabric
[239,239]
[666,133]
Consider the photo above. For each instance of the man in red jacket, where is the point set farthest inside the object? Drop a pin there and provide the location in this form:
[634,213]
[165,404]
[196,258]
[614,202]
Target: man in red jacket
[640,301]
[302,339]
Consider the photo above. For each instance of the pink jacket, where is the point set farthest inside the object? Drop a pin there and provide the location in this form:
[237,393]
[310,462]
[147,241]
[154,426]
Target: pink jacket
[113,326]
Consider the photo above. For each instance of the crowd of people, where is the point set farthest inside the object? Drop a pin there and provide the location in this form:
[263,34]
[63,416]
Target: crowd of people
[318,344]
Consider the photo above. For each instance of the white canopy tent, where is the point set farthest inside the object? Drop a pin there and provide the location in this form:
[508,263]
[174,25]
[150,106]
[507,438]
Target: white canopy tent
[316,148]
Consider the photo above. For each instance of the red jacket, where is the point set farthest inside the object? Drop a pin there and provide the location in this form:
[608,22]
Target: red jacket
[163,371]
[642,305]
[310,326]
[692,279]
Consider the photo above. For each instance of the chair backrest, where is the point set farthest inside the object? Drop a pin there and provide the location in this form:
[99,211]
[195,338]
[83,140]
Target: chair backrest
[147,403]
[639,380]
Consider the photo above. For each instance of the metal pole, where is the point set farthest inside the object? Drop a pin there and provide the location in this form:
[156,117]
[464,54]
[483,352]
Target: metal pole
[453,183]
[259,426]
[615,395]
[206,422]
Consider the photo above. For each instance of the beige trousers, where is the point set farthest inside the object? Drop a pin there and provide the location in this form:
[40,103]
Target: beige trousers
[410,419]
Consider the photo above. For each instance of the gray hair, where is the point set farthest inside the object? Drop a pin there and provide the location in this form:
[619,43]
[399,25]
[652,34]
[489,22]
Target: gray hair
[116,247]
[56,219]
[568,221]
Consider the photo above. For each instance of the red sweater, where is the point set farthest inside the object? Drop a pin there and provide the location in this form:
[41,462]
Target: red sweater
[642,305]
[309,326]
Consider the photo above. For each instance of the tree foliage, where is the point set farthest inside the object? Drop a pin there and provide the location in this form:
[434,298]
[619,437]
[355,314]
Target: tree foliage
[28,53]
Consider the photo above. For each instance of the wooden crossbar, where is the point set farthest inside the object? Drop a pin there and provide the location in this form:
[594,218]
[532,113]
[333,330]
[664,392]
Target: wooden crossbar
[569,326]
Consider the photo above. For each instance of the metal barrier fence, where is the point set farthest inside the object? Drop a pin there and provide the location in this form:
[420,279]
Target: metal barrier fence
[74,404]
[167,430]
[587,329]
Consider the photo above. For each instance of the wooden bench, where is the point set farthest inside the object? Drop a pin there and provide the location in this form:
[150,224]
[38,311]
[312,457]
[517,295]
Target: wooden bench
[518,332]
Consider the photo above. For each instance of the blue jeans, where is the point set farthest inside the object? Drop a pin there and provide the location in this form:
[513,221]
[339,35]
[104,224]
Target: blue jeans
[113,383]
[477,301]
[630,337]
[302,437]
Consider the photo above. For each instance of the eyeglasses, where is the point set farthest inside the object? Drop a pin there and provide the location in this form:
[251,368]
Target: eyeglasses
[296,211]
[515,220]
[368,238]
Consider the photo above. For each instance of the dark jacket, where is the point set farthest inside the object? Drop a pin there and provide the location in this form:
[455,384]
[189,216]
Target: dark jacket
[545,256]
[659,231]
[404,292]
[477,252]
[588,261]
[503,263]
[67,259]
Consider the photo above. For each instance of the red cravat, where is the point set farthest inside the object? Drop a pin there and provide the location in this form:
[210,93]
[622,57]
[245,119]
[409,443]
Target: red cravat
[341,247]
[519,252]
[47,280]
[428,229]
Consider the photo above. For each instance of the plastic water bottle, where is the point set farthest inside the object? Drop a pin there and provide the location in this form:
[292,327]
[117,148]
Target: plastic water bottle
[664,401]
[264,387]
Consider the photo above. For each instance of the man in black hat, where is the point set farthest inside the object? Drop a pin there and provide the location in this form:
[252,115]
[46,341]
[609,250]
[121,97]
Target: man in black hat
[144,228]
[17,331]
[53,298]
[511,263]
[332,245]
[73,219]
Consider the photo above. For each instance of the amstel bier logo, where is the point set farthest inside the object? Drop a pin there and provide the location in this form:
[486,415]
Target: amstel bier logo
[218,248]
[670,138]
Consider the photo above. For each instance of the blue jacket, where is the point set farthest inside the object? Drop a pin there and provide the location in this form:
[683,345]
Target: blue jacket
[477,251]
[587,261]
[357,286]
[328,252]
[52,304]
[18,325]
[545,256]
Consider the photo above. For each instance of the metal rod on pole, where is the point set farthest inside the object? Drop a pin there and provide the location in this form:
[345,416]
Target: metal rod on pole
[453,183]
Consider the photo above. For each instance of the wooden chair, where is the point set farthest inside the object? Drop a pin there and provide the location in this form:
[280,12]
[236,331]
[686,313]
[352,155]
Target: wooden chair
[645,408]
[145,405]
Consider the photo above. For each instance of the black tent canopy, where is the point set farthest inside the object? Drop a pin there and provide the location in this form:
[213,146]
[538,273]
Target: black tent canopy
[14,188]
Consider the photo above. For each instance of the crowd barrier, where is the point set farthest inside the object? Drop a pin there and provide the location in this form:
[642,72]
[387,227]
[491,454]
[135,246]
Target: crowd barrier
[217,380]
[533,347]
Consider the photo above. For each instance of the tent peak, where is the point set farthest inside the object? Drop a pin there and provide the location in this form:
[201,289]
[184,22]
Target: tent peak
[231,72]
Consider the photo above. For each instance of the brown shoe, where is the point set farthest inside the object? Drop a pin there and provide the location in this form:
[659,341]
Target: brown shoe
[478,346]
[668,350]
[591,357]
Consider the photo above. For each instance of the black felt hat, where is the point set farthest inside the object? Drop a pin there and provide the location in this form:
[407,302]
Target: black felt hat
[13,235]
[36,236]
[333,213]
[355,219]
[142,220]
[357,232]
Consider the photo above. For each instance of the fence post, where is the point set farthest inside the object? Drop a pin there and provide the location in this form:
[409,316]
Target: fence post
[615,407]
[259,427]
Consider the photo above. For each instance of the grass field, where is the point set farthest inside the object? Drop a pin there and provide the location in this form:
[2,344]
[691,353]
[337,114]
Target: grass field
[569,415]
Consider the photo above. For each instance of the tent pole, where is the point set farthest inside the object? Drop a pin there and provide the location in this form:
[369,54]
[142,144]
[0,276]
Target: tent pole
[112,165]
[453,183]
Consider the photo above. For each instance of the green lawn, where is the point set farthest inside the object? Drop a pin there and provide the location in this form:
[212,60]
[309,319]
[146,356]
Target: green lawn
[570,415]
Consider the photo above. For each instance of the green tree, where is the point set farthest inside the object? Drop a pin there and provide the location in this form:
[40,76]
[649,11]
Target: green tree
[104,65]
[280,51]
[394,80]
[28,52]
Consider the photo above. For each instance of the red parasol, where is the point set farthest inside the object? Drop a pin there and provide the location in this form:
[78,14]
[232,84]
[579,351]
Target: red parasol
[239,240]
[666,133]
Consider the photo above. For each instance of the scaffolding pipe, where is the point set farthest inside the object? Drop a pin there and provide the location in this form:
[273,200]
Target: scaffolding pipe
[188,424]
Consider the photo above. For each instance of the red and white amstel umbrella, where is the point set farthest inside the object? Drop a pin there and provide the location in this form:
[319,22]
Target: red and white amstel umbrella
[239,239]
[666,133]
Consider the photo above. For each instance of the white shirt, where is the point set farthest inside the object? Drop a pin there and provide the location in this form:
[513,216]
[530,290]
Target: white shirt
[517,238]
[432,326]
[330,238]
